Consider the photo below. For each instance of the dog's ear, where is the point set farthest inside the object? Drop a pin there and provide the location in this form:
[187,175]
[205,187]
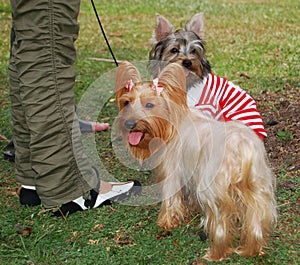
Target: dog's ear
[197,25]
[126,72]
[173,79]
[163,29]
[173,75]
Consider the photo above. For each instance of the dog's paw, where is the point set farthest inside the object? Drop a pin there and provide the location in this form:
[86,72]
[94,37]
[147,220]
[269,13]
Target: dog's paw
[168,224]
[209,257]
[218,253]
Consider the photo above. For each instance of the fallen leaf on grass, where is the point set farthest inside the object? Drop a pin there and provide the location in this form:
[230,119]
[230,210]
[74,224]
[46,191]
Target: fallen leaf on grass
[245,75]
[9,191]
[175,243]
[197,263]
[163,234]
[123,239]
[26,232]
[98,226]
[106,118]
[94,242]
[115,34]
[72,239]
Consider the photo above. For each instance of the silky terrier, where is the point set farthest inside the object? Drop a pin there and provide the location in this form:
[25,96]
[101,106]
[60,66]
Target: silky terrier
[185,46]
[215,96]
[216,168]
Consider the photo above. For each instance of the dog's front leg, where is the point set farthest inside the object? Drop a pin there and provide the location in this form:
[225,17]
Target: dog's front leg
[172,213]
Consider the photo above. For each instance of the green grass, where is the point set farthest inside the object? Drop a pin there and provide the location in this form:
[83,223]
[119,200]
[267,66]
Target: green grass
[258,38]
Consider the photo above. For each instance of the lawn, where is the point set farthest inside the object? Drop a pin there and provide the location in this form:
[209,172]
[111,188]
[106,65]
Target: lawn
[255,44]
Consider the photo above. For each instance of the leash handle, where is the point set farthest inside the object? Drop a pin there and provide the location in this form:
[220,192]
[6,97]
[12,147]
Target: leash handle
[103,33]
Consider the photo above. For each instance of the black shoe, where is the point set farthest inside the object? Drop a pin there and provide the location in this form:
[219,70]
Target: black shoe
[28,197]
[120,192]
[9,154]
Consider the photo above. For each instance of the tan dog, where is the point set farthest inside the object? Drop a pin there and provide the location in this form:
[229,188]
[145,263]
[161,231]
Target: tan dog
[204,165]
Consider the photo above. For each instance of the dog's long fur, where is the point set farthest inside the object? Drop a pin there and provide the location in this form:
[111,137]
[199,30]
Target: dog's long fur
[217,168]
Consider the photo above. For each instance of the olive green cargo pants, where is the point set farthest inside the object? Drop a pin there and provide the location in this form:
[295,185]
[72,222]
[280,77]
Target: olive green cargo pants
[49,152]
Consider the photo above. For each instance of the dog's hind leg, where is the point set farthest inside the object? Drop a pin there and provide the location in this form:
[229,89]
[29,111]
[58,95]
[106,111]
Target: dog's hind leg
[258,206]
[257,221]
[218,223]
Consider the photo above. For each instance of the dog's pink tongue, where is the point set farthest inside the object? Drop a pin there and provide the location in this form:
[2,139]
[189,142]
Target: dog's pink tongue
[135,138]
[186,71]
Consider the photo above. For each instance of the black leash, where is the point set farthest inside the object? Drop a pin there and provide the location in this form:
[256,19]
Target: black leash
[103,33]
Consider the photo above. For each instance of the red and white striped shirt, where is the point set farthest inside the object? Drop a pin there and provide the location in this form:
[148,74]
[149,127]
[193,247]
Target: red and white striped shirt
[224,101]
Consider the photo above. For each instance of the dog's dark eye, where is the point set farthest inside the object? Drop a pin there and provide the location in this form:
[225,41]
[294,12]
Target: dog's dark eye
[149,105]
[126,103]
[174,50]
[193,51]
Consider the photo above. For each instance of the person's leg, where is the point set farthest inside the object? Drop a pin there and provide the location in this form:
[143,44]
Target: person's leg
[85,126]
[24,173]
[44,57]
[42,69]
[92,126]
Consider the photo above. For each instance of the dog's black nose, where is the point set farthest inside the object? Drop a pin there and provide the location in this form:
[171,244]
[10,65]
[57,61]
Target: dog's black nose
[187,63]
[130,124]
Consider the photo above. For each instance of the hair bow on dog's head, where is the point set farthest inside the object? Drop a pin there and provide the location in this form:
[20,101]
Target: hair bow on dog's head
[156,87]
[129,85]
